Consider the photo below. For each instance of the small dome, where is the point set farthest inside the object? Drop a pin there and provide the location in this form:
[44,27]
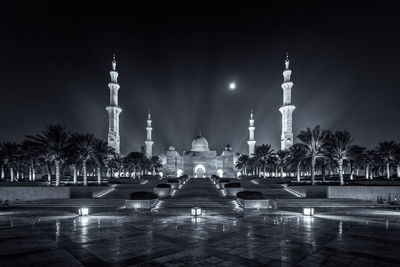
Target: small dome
[199,144]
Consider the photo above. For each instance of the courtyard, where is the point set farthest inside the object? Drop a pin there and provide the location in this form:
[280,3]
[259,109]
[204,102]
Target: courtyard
[224,235]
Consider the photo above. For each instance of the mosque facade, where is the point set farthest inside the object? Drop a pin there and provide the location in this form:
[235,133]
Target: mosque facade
[199,161]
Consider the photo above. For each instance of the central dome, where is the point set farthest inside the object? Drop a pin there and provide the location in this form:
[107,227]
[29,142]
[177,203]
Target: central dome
[200,144]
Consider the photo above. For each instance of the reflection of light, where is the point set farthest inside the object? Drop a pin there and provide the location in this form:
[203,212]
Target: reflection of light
[308,211]
[83,211]
[196,219]
[196,211]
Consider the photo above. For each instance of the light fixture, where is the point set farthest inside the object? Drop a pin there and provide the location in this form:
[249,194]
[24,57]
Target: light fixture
[83,211]
[196,211]
[308,211]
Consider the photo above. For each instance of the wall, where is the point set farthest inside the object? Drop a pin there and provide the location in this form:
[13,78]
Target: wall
[33,193]
[368,193]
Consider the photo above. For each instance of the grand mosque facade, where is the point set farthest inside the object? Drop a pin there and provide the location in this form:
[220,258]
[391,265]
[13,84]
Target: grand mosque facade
[199,161]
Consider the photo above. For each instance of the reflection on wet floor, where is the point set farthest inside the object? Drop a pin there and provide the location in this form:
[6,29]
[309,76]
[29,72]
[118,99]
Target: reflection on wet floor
[333,237]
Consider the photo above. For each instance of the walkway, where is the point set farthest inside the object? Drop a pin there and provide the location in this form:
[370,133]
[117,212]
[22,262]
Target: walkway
[198,192]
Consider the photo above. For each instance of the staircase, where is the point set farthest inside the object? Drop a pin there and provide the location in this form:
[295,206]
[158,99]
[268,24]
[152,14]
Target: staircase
[198,192]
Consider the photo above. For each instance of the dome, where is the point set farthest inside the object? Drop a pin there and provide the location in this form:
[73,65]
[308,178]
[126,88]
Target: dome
[199,144]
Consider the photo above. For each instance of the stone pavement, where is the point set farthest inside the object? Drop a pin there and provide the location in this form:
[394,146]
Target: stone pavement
[170,236]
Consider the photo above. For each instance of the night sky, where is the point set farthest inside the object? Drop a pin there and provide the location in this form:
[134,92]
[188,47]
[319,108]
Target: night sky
[179,60]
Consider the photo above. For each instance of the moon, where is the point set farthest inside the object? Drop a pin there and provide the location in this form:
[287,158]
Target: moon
[232,86]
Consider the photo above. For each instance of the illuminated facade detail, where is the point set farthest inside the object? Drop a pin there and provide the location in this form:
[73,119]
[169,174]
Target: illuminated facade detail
[200,161]
[148,143]
[252,141]
[113,110]
[287,108]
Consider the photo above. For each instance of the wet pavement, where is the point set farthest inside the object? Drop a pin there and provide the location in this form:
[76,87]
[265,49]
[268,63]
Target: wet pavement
[222,237]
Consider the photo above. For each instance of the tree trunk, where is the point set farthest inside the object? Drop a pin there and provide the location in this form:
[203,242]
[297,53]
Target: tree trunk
[98,175]
[388,170]
[84,173]
[12,174]
[17,174]
[313,171]
[2,171]
[298,172]
[30,173]
[367,171]
[341,180]
[57,162]
[323,173]
[276,172]
[75,174]
[49,174]
[281,172]
[398,171]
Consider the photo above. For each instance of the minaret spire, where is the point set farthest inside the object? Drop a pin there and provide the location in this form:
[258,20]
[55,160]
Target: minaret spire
[287,108]
[149,142]
[252,141]
[113,109]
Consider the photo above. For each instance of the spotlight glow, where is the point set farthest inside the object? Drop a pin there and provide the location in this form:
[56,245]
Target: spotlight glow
[232,86]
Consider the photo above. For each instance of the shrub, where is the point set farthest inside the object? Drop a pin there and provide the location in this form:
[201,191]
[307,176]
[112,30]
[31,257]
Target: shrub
[250,195]
[233,185]
[163,186]
[224,180]
[172,181]
[143,195]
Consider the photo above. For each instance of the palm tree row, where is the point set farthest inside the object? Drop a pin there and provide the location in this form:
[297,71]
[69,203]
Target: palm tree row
[56,151]
[320,151]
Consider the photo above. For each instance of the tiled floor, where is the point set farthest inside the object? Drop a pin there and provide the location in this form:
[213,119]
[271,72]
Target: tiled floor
[222,237]
[123,237]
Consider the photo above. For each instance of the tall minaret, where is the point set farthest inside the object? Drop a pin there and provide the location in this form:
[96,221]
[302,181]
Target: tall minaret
[113,110]
[148,143]
[287,108]
[252,141]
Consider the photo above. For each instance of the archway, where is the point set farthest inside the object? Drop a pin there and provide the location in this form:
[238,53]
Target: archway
[199,171]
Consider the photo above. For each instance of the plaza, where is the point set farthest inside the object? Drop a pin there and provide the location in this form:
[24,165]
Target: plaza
[341,233]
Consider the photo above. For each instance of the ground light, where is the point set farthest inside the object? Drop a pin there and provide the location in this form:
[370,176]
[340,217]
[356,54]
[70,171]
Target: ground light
[196,211]
[308,211]
[83,211]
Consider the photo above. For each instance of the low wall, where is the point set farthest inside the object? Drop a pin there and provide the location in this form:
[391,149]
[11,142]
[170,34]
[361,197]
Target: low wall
[232,191]
[254,204]
[140,204]
[86,191]
[311,191]
[368,193]
[33,193]
[162,192]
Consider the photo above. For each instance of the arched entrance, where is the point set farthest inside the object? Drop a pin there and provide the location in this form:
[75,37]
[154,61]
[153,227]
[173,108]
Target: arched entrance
[199,171]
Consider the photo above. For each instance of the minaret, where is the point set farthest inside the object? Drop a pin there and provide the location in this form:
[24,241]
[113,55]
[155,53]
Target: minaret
[287,108]
[148,143]
[252,141]
[113,110]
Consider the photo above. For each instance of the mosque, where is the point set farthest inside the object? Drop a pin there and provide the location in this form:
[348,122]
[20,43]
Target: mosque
[199,161]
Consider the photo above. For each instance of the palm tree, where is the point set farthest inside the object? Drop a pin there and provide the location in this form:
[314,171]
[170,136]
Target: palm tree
[102,152]
[356,158]
[155,164]
[135,161]
[31,155]
[52,144]
[282,158]
[10,152]
[83,147]
[339,146]
[369,159]
[264,156]
[117,163]
[314,142]
[389,153]
[297,156]
[242,164]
